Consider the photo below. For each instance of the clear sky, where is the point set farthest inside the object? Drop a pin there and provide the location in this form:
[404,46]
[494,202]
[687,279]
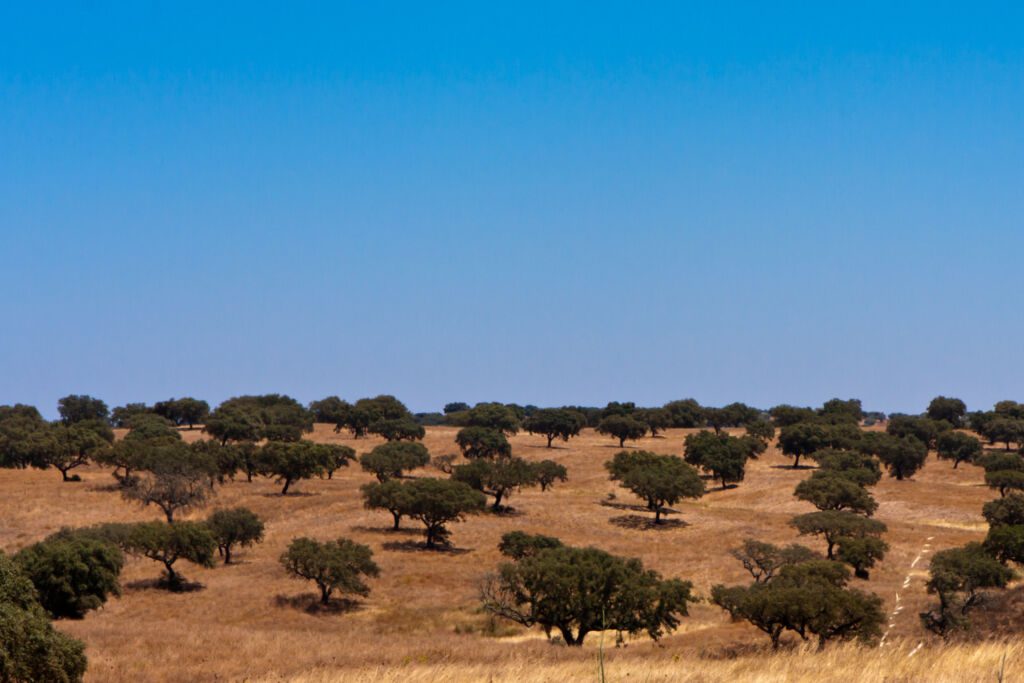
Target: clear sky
[543,202]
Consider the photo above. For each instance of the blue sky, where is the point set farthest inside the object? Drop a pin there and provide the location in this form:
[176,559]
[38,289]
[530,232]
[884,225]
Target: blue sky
[543,202]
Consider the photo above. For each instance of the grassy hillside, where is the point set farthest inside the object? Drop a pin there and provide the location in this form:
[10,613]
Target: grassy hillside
[421,622]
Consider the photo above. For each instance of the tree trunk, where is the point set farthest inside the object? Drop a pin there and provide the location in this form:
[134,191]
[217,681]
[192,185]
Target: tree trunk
[831,545]
[796,463]
[64,473]
[227,553]
[568,637]
[622,442]
[657,514]
[398,518]
[550,439]
[497,500]
[287,483]
[325,595]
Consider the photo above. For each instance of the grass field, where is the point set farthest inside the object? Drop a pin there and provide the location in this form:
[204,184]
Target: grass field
[421,622]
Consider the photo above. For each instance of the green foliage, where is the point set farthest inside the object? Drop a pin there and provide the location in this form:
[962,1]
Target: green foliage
[398,429]
[167,543]
[832,491]
[656,419]
[292,462]
[1008,511]
[834,525]
[958,576]
[951,410]
[685,414]
[902,456]
[455,407]
[20,428]
[924,429]
[555,423]
[1005,430]
[548,472]
[67,446]
[172,476]
[121,416]
[580,590]
[331,410]
[622,427]
[658,479]
[732,415]
[391,495]
[806,438]
[72,574]
[1005,480]
[496,416]
[1006,543]
[808,598]
[438,502]
[393,459]
[519,544]
[722,456]
[234,527]
[764,560]
[837,410]
[861,552]
[762,430]
[860,468]
[958,447]
[498,478]
[82,408]
[183,411]
[483,442]
[787,415]
[274,417]
[333,565]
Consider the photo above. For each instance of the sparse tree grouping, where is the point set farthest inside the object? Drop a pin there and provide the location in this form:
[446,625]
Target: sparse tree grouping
[795,589]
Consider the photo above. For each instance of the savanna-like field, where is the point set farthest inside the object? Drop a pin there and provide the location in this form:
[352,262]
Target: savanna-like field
[422,622]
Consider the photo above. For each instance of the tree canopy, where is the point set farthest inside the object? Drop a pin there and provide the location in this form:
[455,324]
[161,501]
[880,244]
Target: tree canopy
[334,566]
[577,591]
[659,480]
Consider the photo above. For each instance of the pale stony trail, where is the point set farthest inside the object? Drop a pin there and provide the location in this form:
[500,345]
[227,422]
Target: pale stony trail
[898,607]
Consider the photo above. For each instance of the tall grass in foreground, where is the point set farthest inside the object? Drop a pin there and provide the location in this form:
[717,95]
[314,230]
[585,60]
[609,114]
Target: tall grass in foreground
[994,661]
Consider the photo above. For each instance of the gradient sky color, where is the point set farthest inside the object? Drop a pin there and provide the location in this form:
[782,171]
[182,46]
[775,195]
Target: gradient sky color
[541,202]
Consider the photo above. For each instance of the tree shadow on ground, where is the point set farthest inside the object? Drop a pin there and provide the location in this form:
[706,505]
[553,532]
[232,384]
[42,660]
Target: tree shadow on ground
[646,523]
[290,494]
[794,467]
[506,511]
[719,489]
[629,506]
[542,447]
[387,530]
[112,487]
[310,604]
[182,586]
[419,547]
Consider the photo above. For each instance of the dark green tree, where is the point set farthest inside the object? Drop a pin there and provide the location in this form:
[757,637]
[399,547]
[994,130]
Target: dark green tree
[82,408]
[391,495]
[951,410]
[860,468]
[659,480]
[497,416]
[482,442]
[398,429]
[30,648]
[622,427]
[291,462]
[173,477]
[958,447]
[686,413]
[786,415]
[832,491]
[168,543]
[764,560]
[548,472]
[902,456]
[391,460]
[924,429]
[67,446]
[235,527]
[834,525]
[498,478]
[722,456]
[959,577]
[121,416]
[576,591]
[555,423]
[72,574]
[439,502]
[334,566]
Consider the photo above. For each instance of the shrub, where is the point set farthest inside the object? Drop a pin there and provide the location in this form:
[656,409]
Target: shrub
[72,574]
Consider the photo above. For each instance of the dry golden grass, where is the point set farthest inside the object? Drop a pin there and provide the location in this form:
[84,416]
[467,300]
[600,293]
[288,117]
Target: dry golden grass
[421,621]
